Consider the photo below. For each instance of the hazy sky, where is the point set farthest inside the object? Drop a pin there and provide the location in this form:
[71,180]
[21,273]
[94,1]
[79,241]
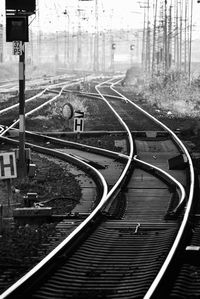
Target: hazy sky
[112,14]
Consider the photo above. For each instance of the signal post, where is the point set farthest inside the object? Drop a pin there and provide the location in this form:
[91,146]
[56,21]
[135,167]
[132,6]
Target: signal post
[17,12]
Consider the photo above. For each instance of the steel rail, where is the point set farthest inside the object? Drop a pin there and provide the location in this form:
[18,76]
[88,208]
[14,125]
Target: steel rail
[150,293]
[182,194]
[100,206]
[78,145]
[26,101]
[49,87]
[131,153]
[32,111]
[72,235]
[75,81]
[34,81]
[105,199]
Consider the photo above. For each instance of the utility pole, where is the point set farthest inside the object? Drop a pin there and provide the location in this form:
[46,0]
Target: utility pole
[185,52]
[91,51]
[103,51]
[190,42]
[113,47]
[17,32]
[79,39]
[148,52]
[66,45]
[177,38]
[170,38]
[96,39]
[146,39]
[154,37]
[143,43]
[39,32]
[181,21]
[22,155]
[57,48]
[165,40]
[66,53]
[73,45]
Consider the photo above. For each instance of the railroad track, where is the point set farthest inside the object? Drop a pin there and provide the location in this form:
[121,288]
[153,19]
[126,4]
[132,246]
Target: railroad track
[65,226]
[134,255]
[36,83]
[73,155]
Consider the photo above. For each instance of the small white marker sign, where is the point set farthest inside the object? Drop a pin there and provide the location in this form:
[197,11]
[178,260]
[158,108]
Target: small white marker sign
[78,124]
[18,47]
[8,169]
[78,114]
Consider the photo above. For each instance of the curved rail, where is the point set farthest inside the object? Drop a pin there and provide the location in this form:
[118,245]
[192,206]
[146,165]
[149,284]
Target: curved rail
[171,254]
[37,108]
[130,157]
[83,147]
[75,232]
[166,175]
[105,199]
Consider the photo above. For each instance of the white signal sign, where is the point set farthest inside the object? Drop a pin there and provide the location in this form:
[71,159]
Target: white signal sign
[18,47]
[78,124]
[8,169]
[67,111]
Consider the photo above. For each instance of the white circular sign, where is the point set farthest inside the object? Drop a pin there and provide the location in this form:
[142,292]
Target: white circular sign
[67,111]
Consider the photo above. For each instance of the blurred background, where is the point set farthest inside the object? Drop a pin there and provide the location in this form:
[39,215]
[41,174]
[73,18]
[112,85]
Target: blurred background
[108,36]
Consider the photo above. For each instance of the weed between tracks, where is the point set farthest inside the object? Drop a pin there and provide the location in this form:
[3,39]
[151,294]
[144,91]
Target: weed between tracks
[22,247]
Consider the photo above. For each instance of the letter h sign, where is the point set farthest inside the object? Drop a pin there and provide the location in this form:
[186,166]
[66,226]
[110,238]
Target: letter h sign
[78,124]
[8,168]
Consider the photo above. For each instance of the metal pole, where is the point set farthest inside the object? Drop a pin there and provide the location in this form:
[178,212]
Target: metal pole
[154,38]
[96,39]
[147,62]
[65,43]
[22,158]
[165,40]
[181,22]
[177,40]
[143,42]
[185,64]
[170,38]
[190,45]
[112,54]
[79,49]
[66,38]
[103,51]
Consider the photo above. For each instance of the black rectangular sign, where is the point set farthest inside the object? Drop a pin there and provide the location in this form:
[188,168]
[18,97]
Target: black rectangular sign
[28,5]
[16,28]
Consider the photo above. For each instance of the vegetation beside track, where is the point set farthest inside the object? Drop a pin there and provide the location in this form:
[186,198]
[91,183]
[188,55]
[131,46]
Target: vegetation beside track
[23,246]
[52,180]
[173,101]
